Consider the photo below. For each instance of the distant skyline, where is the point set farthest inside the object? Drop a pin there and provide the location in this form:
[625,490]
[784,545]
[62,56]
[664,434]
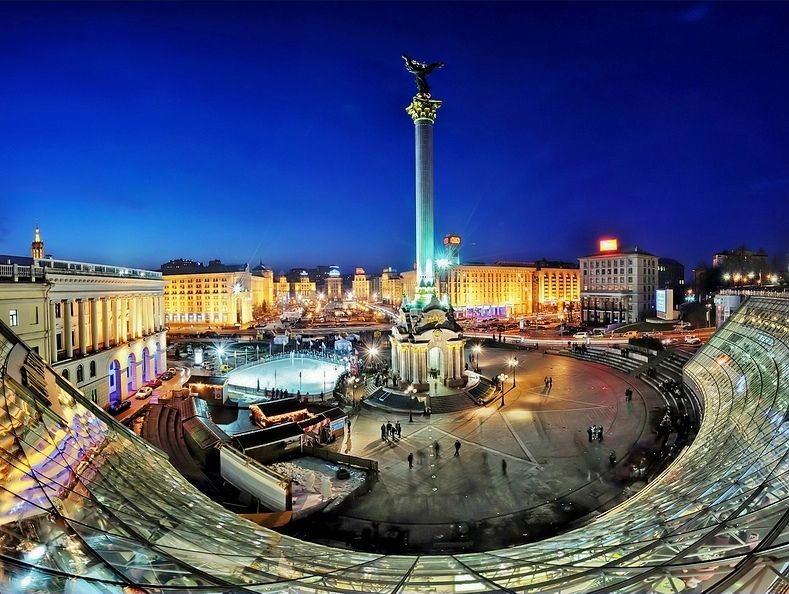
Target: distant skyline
[138,133]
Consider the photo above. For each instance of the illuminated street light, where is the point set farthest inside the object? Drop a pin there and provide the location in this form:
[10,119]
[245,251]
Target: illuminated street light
[476,349]
[410,391]
[443,265]
[513,363]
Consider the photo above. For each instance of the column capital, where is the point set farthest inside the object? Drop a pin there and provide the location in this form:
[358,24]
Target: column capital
[421,109]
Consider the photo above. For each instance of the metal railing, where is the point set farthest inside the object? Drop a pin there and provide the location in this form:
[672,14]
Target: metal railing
[39,269]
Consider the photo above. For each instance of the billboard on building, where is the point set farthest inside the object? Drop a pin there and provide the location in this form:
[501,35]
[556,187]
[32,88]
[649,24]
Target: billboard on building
[664,304]
[609,245]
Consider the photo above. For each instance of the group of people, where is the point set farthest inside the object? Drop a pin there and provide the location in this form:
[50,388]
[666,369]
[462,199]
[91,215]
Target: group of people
[628,395]
[548,382]
[595,433]
[390,432]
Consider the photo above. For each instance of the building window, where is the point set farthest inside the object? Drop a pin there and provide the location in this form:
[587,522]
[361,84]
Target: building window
[13,317]
[59,342]
[57,310]
[92,369]
[80,374]
[65,373]
[93,396]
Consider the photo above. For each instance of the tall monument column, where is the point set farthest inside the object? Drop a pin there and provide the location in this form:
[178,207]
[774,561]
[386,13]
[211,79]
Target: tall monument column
[423,111]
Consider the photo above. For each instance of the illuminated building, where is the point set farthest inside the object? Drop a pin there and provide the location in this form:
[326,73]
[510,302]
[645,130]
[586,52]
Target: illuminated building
[452,249]
[617,286]
[304,288]
[741,260]
[71,476]
[388,287]
[37,246]
[361,286]
[216,293]
[508,289]
[100,326]
[282,289]
[334,285]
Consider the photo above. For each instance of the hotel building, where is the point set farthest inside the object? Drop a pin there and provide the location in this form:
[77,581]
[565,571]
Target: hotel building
[216,293]
[618,286]
[506,289]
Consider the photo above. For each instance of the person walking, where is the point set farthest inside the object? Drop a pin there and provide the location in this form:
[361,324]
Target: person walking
[589,432]
[550,383]
[383,432]
[389,429]
[410,460]
[504,466]
[398,429]
[436,448]
[457,447]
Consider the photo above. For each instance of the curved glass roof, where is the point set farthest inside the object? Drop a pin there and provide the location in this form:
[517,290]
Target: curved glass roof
[87,507]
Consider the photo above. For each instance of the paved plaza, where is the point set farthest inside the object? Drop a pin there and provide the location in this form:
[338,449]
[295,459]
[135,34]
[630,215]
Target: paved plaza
[524,471]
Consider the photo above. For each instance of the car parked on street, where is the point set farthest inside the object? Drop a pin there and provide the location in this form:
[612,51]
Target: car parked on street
[692,339]
[143,393]
[117,408]
[154,383]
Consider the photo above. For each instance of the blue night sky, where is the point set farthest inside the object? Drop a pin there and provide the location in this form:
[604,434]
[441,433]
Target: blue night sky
[136,133]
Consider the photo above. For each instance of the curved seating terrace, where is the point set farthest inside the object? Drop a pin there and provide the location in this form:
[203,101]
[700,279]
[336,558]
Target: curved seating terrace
[88,507]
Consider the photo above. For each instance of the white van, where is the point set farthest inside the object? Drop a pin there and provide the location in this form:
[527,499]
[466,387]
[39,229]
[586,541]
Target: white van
[581,335]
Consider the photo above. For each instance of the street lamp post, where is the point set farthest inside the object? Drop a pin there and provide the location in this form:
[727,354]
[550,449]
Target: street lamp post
[476,349]
[410,391]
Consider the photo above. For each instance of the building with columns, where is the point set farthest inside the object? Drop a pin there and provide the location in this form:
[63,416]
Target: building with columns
[216,293]
[101,327]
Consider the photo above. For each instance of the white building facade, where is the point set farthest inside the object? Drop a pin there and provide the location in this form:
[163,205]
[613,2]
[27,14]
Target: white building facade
[618,287]
[101,327]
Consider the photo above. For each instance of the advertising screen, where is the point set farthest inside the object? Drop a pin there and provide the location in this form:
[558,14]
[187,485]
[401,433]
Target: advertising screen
[609,245]
[660,302]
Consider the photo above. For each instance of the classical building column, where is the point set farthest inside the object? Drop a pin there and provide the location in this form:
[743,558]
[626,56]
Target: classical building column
[53,333]
[393,344]
[146,319]
[68,337]
[94,324]
[422,110]
[150,302]
[132,317]
[82,326]
[121,314]
[105,319]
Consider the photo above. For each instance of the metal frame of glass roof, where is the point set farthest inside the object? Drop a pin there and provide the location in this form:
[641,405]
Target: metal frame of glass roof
[87,507]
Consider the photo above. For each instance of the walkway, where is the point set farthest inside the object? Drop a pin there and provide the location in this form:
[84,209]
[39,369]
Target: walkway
[553,474]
